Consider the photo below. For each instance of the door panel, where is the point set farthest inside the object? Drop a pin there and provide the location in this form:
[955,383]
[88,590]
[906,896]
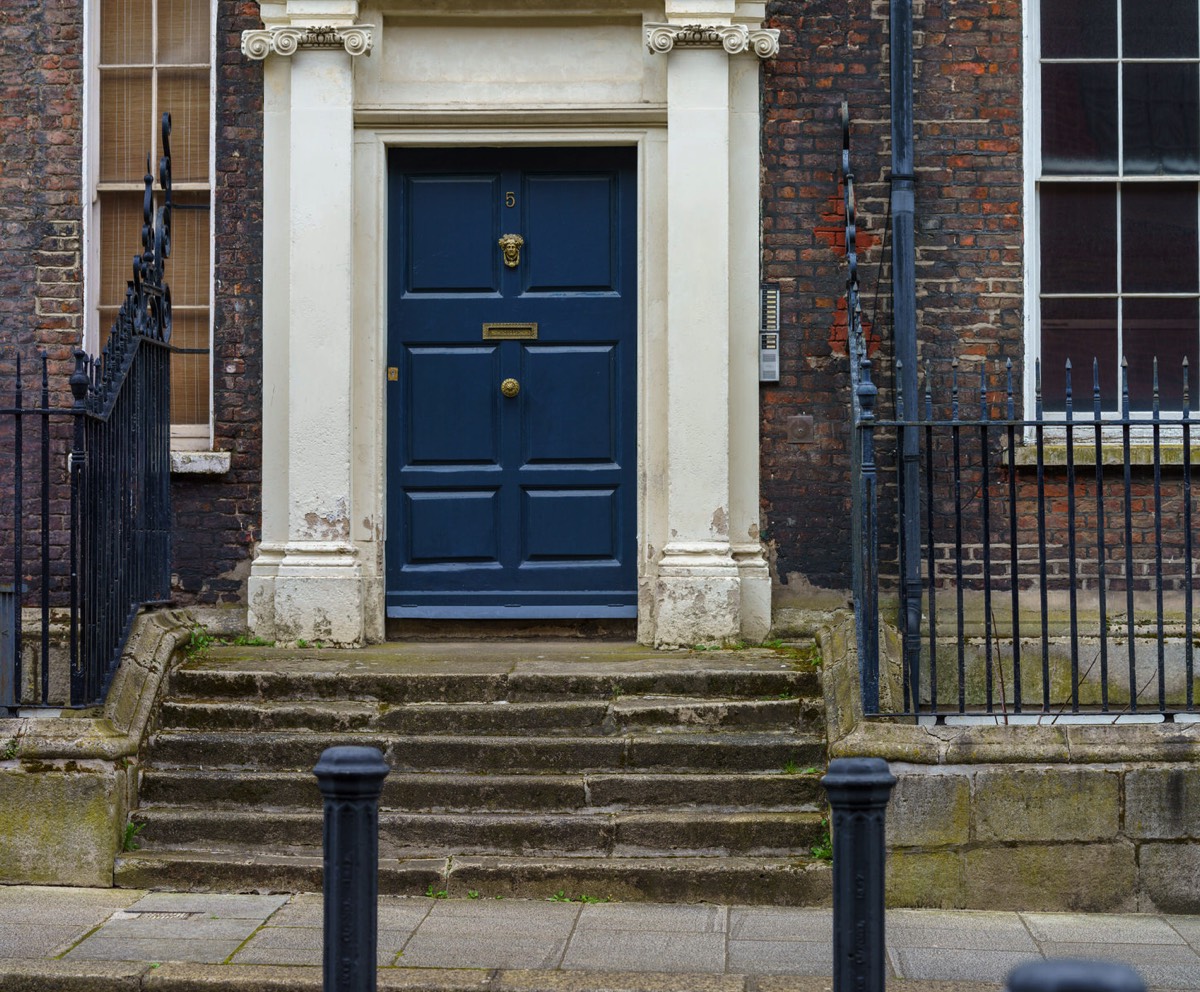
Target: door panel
[503,505]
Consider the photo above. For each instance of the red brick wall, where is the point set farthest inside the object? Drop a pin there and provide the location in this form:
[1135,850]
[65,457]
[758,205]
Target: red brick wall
[217,518]
[968,112]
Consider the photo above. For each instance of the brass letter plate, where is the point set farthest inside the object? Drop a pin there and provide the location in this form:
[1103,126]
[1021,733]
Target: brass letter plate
[508,332]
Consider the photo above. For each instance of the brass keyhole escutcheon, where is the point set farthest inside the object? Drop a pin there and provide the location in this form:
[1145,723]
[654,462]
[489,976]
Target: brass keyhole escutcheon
[510,388]
[511,245]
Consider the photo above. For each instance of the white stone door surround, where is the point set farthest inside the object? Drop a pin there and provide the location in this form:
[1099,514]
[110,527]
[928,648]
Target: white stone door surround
[345,80]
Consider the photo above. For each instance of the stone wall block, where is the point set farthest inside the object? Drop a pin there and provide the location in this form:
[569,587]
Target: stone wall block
[929,810]
[925,879]
[1093,878]
[1169,878]
[1032,804]
[1163,803]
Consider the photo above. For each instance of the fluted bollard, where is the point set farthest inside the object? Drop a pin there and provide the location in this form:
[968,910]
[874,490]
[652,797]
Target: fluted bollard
[1065,975]
[858,790]
[350,780]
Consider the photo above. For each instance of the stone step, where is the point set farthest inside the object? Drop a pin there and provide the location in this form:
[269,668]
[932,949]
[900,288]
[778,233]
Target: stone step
[485,673]
[450,792]
[496,717]
[675,833]
[731,751]
[744,881]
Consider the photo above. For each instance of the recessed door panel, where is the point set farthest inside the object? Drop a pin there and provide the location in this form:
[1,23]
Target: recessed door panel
[570,525]
[512,369]
[451,413]
[577,210]
[448,223]
[449,527]
[571,415]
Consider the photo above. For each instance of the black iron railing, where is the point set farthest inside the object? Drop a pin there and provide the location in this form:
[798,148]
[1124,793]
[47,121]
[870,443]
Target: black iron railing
[1057,550]
[96,504]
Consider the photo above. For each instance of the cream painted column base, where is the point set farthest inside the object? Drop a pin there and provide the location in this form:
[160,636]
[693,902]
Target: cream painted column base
[699,595]
[319,594]
[260,615]
[755,576]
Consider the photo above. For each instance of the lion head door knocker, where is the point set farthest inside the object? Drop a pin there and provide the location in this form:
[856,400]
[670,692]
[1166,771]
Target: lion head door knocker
[511,245]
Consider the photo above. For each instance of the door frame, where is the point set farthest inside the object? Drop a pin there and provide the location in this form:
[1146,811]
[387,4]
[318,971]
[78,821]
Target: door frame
[369,469]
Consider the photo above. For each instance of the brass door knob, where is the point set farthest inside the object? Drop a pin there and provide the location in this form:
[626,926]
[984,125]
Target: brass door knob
[510,388]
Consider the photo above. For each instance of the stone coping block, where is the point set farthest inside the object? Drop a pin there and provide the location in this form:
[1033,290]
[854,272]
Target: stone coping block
[69,779]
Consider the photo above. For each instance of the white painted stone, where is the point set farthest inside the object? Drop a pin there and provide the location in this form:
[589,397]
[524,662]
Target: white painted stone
[439,74]
[200,462]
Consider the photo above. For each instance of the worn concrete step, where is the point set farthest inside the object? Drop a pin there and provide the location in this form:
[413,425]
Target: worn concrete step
[759,833]
[742,881]
[496,717]
[444,792]
[400,678]
[731,751]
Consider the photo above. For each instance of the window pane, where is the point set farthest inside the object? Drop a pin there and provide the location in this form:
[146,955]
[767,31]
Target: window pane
[125,109]
[189,373]
[1162,29]
[1159,238]
[1082,331]
[120,241]
[183,32]
[1161,107]
[1079,238]
[1079,118]
[1167,330]
[187,268]
[1079,29]
[126,32]
[184,92]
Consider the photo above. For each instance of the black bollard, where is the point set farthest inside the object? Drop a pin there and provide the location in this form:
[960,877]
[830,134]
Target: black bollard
[350,780]
[858,790]
[1065,975]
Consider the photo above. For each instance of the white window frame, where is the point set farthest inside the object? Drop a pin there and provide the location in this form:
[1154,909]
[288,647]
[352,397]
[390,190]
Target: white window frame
[1031,266]
[183,436]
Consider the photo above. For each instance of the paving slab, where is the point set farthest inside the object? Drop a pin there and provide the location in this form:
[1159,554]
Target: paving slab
[436,950]
[620,981]
[779,957]
[780,923]
[244,907]
[304,946]
[965,965]
[37,940]
[950,930]
[1136,955]
[62,905]
[1127,928]
[629,950]
[307,909]
[195,927]
[643,917]
[154,949]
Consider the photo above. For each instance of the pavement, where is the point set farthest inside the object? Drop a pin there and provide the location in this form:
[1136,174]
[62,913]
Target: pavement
[69,939]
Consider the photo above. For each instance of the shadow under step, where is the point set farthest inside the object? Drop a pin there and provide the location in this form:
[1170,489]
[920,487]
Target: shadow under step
[737,881]
[449,792]
[668,833]
[496,717]
[729,751]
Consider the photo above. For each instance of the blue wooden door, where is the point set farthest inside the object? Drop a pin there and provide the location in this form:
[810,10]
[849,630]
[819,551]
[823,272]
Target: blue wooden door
[510,401]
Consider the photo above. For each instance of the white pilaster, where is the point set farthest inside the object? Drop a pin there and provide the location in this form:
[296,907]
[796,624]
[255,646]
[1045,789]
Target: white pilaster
[711,574]
[307,583]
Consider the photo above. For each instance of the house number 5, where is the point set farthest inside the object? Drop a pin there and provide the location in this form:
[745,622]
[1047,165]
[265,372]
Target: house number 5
[510,199]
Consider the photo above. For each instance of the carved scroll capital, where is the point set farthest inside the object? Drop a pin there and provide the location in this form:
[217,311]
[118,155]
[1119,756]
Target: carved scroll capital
[733,38]
[286,40]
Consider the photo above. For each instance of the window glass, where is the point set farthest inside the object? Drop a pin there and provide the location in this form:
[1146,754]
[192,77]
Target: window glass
[1160,123]
[1079,118]
[154,57]
[1079,238]
[1164,329]
[1079,29]
[1159,238]
[1159,29]
[1081,331]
